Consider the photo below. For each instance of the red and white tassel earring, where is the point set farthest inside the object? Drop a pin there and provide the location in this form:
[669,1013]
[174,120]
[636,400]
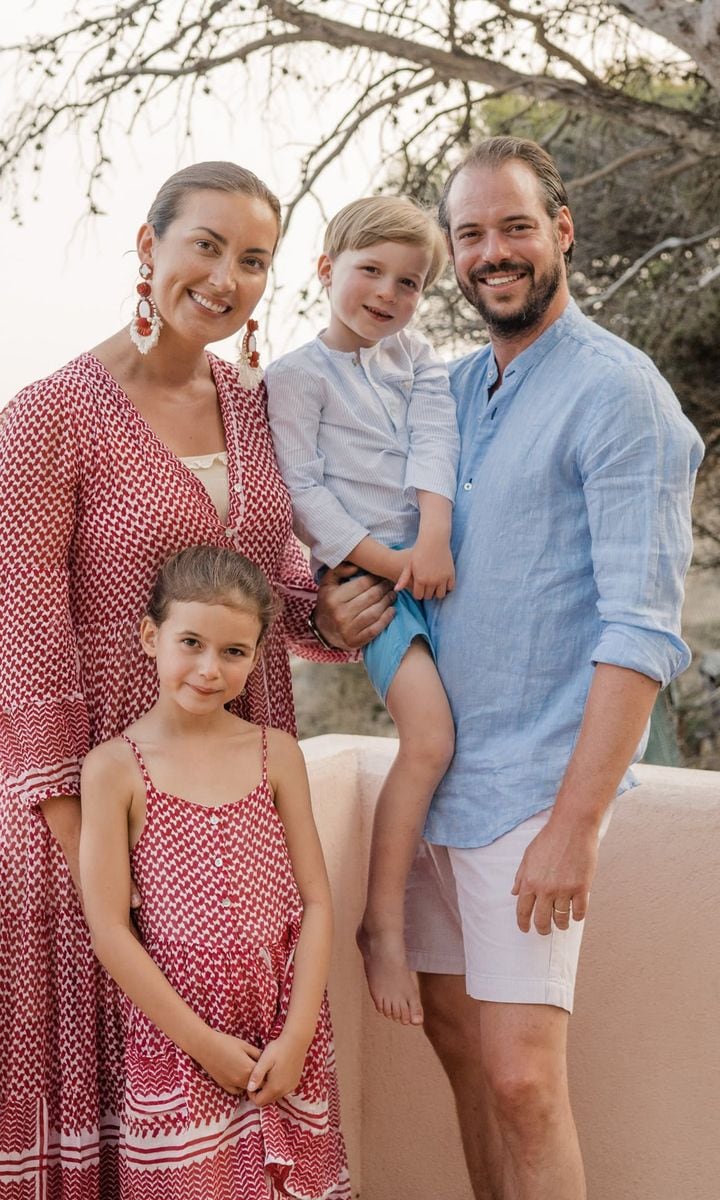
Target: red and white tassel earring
[144,329]
[249,369]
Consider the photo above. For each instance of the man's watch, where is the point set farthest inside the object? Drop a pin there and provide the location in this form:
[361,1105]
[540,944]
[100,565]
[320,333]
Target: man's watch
[317,634]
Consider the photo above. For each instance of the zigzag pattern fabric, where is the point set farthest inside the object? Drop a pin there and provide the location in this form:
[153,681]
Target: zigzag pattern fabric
[221,917]
[92,504]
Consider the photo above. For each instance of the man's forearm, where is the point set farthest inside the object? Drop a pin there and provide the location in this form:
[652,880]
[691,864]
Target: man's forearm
[618,706]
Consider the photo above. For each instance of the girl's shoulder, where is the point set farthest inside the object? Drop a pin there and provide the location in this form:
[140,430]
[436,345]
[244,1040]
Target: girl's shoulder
[108,757]
[283,751]
[109,774]
[280,738]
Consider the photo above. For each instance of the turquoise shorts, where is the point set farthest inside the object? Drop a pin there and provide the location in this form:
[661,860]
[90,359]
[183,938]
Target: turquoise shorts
[384,653]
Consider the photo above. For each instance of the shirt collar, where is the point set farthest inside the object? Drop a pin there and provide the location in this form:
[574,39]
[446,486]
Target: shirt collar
[364,354]
[568,320]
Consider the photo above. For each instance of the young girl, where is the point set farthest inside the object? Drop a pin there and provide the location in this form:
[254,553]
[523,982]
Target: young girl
[366,438]
[230,1088]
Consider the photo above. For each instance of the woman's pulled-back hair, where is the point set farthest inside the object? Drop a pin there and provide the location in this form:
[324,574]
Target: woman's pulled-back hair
[207,176]
[374,219]
[214,575]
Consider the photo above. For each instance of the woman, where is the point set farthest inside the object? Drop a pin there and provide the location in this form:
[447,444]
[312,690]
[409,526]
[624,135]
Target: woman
[129,453]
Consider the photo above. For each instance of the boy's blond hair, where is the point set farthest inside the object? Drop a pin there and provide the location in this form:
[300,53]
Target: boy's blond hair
[374,219]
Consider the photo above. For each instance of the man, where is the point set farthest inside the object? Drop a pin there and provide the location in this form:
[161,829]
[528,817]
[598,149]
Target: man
[571,537]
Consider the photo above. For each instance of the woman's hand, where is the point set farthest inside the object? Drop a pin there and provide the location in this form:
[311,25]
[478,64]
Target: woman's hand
[229,1060]
[277,1071]
[350,612]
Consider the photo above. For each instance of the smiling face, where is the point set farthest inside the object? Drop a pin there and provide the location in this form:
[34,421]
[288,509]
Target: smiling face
[211,265]
[507,250]
[204,653]
[373,292]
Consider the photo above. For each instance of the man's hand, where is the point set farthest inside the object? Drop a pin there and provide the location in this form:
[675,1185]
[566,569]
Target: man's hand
[429,571]
[350,612]
[555,875]
[277,1072]
[558,866]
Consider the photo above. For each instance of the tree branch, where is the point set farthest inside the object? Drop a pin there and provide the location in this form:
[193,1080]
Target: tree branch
[671,243]
[702,133]
[692,26]
[344,136]
[624,160]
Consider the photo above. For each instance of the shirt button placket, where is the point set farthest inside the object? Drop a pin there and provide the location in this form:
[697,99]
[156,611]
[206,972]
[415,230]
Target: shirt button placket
[215,822]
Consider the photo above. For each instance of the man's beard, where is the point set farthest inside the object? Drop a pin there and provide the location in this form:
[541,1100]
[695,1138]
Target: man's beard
[540,294]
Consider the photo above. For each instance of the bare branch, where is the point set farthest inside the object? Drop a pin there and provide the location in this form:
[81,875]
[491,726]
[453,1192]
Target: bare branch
[537,20]
[709,277]
[344,136]
[694,27]
[624,160]
[201,66]
[703,133]
[671,243]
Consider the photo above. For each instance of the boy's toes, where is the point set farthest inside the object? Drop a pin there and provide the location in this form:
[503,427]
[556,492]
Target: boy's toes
[417,1015]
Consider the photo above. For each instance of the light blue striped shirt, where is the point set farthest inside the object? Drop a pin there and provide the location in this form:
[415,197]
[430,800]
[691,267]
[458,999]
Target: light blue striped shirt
[571,538]
[357,435]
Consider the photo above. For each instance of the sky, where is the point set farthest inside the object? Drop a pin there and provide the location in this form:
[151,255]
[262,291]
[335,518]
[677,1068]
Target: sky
[70,278]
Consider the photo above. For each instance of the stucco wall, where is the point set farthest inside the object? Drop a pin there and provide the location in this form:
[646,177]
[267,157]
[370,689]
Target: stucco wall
[645,1037]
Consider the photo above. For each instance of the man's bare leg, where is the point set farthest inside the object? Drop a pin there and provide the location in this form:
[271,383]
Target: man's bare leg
[452,1025]
[507,1066]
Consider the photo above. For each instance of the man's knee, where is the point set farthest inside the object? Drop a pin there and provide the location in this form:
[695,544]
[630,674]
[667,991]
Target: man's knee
[527,1088]
[521,1094]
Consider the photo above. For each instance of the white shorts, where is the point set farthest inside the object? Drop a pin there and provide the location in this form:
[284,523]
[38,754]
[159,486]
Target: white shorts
[460,919]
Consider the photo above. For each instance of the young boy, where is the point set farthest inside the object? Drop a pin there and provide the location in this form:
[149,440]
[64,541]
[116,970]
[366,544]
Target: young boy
[366,437]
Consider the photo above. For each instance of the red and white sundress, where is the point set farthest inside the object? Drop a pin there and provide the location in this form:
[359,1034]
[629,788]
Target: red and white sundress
[221,917]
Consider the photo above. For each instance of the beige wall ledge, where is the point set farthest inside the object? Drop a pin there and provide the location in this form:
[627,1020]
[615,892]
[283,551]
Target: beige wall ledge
[645,1037]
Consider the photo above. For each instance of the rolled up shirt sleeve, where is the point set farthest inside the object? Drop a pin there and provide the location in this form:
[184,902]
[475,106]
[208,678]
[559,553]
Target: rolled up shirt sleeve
[295,403]
[433,434]
[638,462]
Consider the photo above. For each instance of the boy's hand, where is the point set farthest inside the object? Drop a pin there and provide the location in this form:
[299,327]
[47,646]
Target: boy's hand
[277,1072]
[230,1061]
[429,571]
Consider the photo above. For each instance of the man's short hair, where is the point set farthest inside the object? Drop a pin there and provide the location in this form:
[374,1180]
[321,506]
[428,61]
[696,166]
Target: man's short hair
[493,152]
[375,219]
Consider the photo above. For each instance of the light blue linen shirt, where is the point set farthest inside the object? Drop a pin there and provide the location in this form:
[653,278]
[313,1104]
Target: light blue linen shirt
[571,538]
[357,434]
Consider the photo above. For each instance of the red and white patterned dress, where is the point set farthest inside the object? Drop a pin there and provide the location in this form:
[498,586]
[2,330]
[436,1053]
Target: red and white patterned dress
[92,503]
[221,917]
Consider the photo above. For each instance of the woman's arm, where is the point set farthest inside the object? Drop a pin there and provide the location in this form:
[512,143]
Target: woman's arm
[299,592]
[107,792]
[280,1066]
[43,720]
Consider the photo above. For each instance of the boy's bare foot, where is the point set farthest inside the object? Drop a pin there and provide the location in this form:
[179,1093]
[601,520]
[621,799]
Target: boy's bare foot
[392,984]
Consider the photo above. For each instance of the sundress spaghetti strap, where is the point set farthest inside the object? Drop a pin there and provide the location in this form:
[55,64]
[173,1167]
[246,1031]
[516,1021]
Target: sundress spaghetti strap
[221,917]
